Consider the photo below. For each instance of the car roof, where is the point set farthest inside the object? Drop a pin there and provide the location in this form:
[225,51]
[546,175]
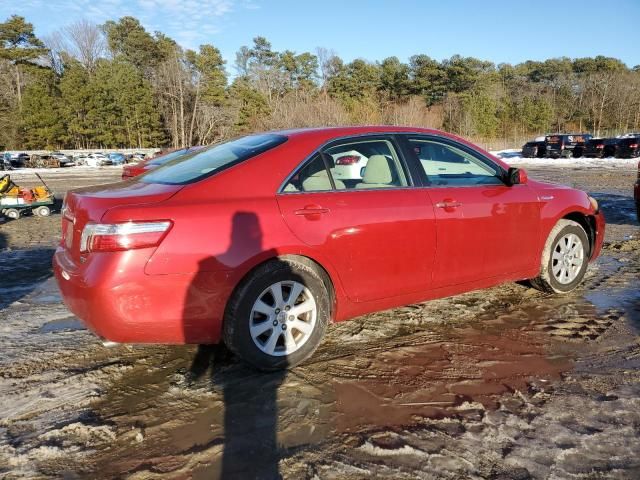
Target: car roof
[344,131]
[321,135]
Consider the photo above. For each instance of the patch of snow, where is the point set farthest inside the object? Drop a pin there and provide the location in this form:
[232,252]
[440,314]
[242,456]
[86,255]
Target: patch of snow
[371,449]
[513,156]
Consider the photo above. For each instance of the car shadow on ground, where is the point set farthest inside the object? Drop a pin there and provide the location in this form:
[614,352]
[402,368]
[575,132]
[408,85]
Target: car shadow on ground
[250,396]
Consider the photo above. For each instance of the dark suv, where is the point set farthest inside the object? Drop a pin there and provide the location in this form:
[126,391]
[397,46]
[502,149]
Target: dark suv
[566,145]
[628,147]
[535,149]
[601,147]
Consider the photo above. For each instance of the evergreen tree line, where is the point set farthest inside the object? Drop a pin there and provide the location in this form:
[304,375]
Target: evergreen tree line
[117,85]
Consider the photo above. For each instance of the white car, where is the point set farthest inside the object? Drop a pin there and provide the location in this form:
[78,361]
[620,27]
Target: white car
[97,159]
[349,165]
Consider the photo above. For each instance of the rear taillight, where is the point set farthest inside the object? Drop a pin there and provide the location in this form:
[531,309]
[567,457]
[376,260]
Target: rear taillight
[101,237]
[633,145]
[599,146]
[347,160]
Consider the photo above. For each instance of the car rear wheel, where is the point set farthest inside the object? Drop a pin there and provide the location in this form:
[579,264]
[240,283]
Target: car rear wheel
[564,259]
[278,315]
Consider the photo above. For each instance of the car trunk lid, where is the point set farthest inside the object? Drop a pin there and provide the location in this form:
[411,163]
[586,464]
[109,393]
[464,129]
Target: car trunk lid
[90,204]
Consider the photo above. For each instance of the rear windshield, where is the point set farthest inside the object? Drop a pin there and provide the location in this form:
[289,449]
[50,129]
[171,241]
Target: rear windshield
[167,157]
[204,163]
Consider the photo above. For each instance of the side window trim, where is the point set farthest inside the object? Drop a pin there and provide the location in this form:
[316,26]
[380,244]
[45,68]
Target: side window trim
[447,141]
[323,156]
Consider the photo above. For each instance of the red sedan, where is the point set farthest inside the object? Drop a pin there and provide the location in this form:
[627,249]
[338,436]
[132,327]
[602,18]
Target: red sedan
[135,169]
[256,243]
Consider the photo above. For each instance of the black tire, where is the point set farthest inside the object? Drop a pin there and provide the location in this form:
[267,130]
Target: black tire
[546,281]
[42,211]
[12,213]
[236,328]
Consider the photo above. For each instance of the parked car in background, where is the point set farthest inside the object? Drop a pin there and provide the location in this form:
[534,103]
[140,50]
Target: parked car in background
[600,147]
[534,149]
[80,158]
[19,160]
[349,165]
[63,159]
[566,145]
[628,147]
[5,162]
[257,243]
[117,158]
[135,169]
[97,159]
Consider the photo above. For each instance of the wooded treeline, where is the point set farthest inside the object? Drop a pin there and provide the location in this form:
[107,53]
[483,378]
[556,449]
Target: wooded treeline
[117,85]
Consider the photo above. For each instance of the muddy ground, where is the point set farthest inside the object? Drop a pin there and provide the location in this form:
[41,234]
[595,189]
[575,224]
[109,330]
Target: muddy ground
[503,383]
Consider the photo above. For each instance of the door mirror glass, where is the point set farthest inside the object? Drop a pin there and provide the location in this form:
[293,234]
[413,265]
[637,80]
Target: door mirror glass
[516,176]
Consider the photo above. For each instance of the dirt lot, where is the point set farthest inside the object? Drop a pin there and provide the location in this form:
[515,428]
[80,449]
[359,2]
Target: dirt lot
[503,383]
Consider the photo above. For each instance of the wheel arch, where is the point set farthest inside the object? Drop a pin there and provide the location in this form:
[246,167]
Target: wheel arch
[588,222]
[304,259]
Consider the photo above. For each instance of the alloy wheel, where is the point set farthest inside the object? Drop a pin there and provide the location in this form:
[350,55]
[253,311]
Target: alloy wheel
[283,318]
[567,258]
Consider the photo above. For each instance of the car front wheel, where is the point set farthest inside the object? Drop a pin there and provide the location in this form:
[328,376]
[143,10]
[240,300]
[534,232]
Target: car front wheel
[564,259]
[277,317]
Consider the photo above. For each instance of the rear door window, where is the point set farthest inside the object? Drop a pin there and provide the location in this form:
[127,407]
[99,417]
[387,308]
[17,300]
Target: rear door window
[351,164]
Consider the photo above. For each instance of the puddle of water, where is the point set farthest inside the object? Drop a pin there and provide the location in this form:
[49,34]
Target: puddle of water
[63,324]
[473,366]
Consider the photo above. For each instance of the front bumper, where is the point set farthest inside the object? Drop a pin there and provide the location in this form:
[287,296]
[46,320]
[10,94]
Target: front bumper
[599,235]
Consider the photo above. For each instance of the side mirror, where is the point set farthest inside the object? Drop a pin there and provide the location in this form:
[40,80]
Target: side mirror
[516,176]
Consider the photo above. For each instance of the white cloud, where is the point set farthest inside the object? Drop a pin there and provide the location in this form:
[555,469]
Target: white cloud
[190,22]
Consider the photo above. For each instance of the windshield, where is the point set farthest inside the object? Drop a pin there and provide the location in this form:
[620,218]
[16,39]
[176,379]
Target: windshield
[191,167]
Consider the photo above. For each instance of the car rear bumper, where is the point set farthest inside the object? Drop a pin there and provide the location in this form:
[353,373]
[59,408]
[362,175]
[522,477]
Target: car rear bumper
[119,302]
[627,153]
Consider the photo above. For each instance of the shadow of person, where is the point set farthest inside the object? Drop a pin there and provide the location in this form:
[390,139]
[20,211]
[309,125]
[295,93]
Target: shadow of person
[250,445]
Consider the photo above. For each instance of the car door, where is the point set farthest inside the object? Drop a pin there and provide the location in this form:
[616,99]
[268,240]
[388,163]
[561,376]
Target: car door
[484,227]
[377,230]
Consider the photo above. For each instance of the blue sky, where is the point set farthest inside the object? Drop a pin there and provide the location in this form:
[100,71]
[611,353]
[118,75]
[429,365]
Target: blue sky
[500,31]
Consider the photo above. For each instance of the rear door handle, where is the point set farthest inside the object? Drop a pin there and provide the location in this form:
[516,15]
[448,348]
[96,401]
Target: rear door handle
[311,211]
[448,204]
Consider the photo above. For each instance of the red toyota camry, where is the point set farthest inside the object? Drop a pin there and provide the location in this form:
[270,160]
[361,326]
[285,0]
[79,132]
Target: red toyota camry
[260,242]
